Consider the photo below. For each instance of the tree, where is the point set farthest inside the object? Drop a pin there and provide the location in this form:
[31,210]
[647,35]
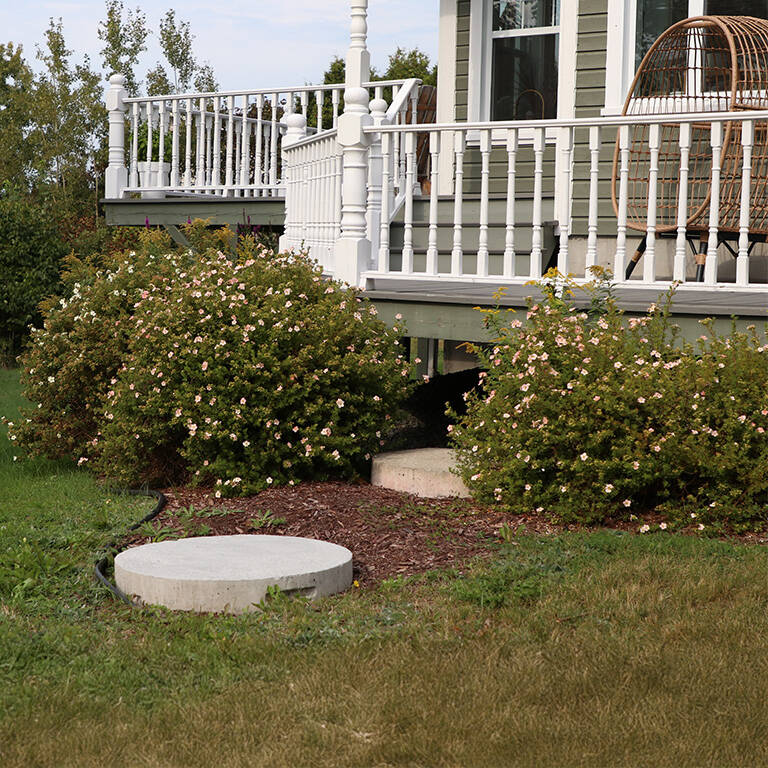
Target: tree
[69,120]
[158,82]
[15,115]
[124,34]
[205,79]
[176,43]
[414,63]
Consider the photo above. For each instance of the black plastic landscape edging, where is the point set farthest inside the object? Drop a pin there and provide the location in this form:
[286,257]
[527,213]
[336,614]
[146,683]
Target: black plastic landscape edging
[111,551]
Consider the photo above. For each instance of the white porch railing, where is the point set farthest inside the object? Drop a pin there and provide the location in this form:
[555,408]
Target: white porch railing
[461,250]
[226,144]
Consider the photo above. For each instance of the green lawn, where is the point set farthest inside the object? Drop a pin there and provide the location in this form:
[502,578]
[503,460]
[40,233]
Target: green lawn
[602,649]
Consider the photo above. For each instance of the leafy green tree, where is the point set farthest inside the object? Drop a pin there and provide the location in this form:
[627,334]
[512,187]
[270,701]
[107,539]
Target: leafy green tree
[410,63]
[158,82]
[124,34]
[69,120]
[15,115]
[205,79]
[176,43]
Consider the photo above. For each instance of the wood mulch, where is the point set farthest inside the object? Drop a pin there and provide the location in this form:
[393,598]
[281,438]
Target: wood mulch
[389,533]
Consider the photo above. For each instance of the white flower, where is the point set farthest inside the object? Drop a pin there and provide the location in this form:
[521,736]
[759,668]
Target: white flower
[269,481]
[339,403]
[663,526]
[608,488]
[645,528]
[583,456]
[627,502]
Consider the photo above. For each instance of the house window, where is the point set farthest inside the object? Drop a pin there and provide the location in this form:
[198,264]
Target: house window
[525,37]
[655,16]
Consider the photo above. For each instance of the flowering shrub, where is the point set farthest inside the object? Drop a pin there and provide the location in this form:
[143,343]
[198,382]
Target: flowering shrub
[239,373]
[591,416]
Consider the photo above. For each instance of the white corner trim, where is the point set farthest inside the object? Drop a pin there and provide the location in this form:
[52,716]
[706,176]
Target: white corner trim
[566,68]
[446,62]
[478,44]
[619,53]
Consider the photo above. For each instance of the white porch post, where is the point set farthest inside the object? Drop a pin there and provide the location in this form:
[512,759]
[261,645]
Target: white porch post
[116,177]
[295,217]
[352,252]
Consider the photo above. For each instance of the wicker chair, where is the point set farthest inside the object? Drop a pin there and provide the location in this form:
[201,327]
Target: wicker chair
[701,64]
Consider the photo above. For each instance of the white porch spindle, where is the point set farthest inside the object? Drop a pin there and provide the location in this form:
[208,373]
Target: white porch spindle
[258,178]
[457,253]
[509,234]
[594,178]
[538,172]
[272,173]
[319,110]
[229,172]
[375,172]
[135,145]
[684,141]
[200,157]
[620,259]
[149,114]
[116,177]
[208,149]
[386,197]
[649,260]
[410,162]
[485,175]
[160,180]
[335,104]
[245,162]
[434,157]
[710,266]
[175,138]
[216,171]
[566,146]
[188,144]
[742,260]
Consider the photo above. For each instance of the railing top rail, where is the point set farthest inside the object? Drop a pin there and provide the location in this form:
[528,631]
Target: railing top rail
[328,135]
[576,122]
[403,95]
[260,91]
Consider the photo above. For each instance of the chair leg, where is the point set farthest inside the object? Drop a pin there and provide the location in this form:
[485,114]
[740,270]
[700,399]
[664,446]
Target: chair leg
[636,257]
[701,260]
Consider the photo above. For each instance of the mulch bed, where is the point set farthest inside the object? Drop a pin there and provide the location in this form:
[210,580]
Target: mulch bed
[389,533]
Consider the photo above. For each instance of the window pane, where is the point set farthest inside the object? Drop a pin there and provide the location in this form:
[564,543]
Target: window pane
[524,14]
[757,8]
[524,78]
[653,17]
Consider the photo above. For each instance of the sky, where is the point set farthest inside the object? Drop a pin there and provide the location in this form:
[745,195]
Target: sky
[249,43]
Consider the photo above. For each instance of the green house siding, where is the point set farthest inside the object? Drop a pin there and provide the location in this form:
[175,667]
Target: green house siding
[462,59]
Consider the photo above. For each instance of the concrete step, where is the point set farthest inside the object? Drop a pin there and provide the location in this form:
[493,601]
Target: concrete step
[231,574]
[425,472]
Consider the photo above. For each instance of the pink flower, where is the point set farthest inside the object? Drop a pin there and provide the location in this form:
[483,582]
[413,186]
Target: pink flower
[204,366]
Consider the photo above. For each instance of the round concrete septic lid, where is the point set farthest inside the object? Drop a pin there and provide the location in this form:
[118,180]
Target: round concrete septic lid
[231,573]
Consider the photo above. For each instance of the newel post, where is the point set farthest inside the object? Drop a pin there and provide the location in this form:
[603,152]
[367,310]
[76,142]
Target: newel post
[295,216]
[116,177]
[352,252]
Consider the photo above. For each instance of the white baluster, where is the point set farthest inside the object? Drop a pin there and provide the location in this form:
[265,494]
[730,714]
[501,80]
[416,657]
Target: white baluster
[200,155]
[273,132]
[373,216]
[238,155]
[319,108]
[386,196]
[175,144]
[135,145]
[564,219]
[509,234]
[682,202]
[742,260]
[594,178]
[457,253]
[216,143]
[538,174]
[620,258]
[410,171]
[258,176]
[208,149]
[335,103]
[146,182]
[229,167]
[485,175]
[303,96]
[188,145]
[710,266]
[649,260]
[434,159]
[245,163]
[160,180]
[116,175]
